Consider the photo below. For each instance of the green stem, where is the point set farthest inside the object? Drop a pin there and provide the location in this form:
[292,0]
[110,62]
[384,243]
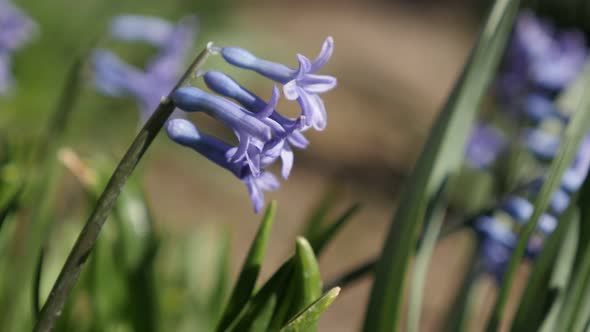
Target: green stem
[89,234]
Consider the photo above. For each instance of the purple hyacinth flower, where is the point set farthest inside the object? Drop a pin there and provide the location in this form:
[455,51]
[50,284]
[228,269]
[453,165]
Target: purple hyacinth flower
[518,208]
[492,228]
[550,59]
[226,86]
[258,145]
[574,176]
[115,78]
[185,133]
[300,84]
[539,107]
[484,146]
[16,29]
[542,144]
[138,28]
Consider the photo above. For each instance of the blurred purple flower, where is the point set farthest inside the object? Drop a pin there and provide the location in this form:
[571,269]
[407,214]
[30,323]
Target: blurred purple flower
[540,143]
[185,133]
[16,29]
[300,84]
[113,77]
[484,146]
[538,56]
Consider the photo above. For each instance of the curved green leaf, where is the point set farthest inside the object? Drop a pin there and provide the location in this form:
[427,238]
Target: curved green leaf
[310,316]
[249,273]
[323,237]
[441,156]
[575,131]
[538,296]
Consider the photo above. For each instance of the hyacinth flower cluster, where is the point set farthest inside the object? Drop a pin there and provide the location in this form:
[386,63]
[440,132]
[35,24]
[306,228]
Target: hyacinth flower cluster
[113,77]
[539,64]
[16,29]
[263,134]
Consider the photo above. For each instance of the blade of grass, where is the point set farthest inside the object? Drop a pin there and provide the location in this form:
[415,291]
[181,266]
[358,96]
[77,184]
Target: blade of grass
[561,276]
[307,276]
[309,316]
[442,155]
[83,246]
[319,214]
[537,296]
[323,237]
[434,223]
[457,319]
[576,129]
[578,290]
[257,304]
[304,285]
[249,274]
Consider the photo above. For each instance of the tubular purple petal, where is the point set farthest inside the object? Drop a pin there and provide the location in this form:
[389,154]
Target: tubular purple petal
[149,29]
[195,100]
[242,58]
[115,78]
[324,56]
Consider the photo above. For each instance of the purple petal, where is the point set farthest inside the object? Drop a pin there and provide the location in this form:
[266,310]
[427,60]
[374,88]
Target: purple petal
[317,83]
[291,90]
[115,78]
[324,56]
[242,58]
[16,28]
[169,62]
[195,100]
[287,161]
[547,223]
[312,108]
[298,140]
[541,143]
[484,146]
[272,104]
[518,208]
[560,201]
[304,66]
[152,30]
[256,185]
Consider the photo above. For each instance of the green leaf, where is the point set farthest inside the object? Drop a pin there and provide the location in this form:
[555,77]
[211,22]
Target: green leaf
[576,129]
[304,286]
[310,316]
[435,218]
[561,275]
[249,273]
[220,288]
[441,156]
[307,276]
[538,296]
[324,236]
[319,215]
[457,319]
[575,310]
[258,305]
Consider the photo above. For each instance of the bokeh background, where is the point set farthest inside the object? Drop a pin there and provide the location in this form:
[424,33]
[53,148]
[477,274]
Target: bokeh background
[395,61]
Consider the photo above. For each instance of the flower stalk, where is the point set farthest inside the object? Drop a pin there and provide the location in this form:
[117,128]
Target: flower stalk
[89,234]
